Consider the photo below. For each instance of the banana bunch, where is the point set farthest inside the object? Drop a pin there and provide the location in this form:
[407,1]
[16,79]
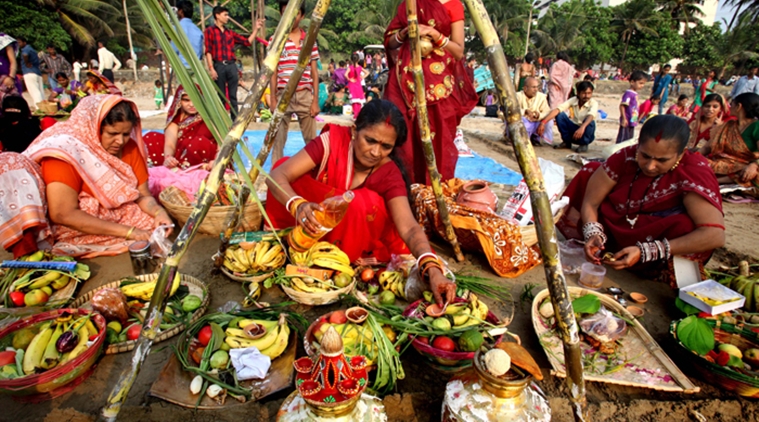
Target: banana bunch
[271,344]
[748,287]
[264,256]
[395,282]
[309,285]
[327,255]
[468,314]
[56,343]
[144,291]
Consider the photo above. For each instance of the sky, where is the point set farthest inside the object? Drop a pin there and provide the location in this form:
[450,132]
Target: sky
[723,11]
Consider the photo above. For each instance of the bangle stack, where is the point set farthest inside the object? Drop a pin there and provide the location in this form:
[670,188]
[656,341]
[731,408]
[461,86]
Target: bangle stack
[397,38]
[129,233]
[442,41]
[293,204]
[654,251]
[593,228]
[426,261]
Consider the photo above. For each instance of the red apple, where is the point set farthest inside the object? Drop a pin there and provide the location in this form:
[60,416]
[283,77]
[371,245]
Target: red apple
[17,298]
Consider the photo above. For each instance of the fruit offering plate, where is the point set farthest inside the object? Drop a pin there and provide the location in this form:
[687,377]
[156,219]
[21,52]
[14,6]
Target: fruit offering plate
[295,409]
[638,360]
[323,297]
[173,382]
[195,287]
[63,377]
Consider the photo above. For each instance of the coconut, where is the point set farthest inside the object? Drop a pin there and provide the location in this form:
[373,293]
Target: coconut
[497,362]
[331,343]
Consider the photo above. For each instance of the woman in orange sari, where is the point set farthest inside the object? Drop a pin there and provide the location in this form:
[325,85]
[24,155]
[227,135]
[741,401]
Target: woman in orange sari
[186,141]
[451,94]
[96,84]
[733,151]
[363,159]
[81,185]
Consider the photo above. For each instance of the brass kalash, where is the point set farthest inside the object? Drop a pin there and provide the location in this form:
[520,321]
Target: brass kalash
[330,386]
[497,388]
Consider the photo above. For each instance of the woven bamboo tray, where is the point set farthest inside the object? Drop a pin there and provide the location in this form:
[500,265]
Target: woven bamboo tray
[530,235]
[321,298]
[249,279]
[645,363]
[744,382]
[215,221]
[196,287]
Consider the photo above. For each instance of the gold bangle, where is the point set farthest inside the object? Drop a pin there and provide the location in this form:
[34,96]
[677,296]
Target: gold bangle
[129,233]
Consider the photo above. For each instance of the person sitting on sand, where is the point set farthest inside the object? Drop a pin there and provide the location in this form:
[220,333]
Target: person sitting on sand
[534,106]
[81,186]
[575,119]
[647,203]
[337,100]
[733,150]
[67,93]
[706,118]
[680,109]
[98,84]
[364,159]
[186,141]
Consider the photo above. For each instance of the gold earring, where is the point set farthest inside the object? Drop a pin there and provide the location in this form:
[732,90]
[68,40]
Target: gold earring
[676,164]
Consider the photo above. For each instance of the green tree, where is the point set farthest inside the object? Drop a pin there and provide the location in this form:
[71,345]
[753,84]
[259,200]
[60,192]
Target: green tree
[701,48]
[739,43]
[645,48]
[560,28]
[682,12]
[599,39]
[37,24]
[81,17]
[373,23]
[633,19]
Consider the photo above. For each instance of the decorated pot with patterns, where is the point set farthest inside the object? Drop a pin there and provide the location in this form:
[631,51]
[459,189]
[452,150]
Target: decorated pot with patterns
[478,395]
[331,383]
[477,194]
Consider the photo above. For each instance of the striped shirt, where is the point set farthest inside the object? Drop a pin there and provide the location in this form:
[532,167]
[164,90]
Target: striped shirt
[289,59]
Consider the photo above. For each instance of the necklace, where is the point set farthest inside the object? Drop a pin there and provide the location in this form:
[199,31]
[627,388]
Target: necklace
[632,221]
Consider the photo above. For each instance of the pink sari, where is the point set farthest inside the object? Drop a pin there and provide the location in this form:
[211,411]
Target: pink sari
[112,181]
[560,83]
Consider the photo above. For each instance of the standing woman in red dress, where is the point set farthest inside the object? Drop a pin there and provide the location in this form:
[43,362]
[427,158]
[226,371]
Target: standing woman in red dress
[448,89]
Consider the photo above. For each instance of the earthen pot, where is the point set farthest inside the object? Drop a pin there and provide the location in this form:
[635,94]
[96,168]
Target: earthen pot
[477,194]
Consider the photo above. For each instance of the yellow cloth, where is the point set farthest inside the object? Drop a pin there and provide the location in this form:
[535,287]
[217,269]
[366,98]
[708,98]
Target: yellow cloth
[537,103]
[576,113]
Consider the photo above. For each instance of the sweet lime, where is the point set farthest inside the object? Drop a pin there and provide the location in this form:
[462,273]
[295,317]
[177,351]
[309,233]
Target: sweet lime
[442,324]
[387,298]
[470,341]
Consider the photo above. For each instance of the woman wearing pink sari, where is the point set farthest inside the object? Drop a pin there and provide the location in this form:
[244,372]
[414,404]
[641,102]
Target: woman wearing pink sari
[81,186]
[560,80]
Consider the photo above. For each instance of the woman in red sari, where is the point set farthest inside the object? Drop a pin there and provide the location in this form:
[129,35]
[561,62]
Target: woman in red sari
[648,203]
[363,159]
[708,117]
[450,95]
[186,141]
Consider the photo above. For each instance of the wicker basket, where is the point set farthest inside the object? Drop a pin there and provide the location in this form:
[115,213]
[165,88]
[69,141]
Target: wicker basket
[63,378]
[530,235]
[247,279]
[321,298]
[48,107]
[196,286]
[216,220]
[744,383]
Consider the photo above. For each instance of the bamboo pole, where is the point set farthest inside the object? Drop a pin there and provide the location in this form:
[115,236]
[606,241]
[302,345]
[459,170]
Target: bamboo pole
[304,60]
[528,163]
[424,126]
[160,295]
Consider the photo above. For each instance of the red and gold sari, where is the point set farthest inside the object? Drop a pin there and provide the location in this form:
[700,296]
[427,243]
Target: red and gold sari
[367,231]
[104,85]
[195,142]
[450,94]
[656,201]
[729,154]
[112,182]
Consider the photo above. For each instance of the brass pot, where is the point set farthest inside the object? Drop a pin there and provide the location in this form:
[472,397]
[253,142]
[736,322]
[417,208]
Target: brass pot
[426,45]
[333,410]
[508,386]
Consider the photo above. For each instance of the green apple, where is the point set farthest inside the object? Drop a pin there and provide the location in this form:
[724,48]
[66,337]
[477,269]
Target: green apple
[36,297]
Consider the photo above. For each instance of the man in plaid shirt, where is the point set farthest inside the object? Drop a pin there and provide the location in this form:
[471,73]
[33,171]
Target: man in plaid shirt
[220,55]
[305,101]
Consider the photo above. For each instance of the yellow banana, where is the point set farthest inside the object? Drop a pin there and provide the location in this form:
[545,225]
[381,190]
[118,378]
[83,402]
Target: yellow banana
[35,257]
[262,252]
[144,291]
[61,282]
[36,349]
[268,325]
[91,329]
[239,342]
[44,280]
[80,347]
[462,317]
[234,266]
[334,265]
[271,254]
[300,258]
[51,355]
[251,254]
[298,284]
[230,255]
[242,258]
[280,344]
[277,262]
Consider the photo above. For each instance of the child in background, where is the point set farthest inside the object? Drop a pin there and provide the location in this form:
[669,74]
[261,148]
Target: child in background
[648,108]
[337,100]
[158,94]
[373,93]
[680,109]
[628,107]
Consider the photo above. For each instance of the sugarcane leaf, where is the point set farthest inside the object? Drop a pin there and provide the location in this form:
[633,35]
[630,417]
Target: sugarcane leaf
[696,334]
[687,308]
[588,304]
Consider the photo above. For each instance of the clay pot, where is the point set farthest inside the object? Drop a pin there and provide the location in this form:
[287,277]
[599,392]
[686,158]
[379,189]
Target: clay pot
[477,194]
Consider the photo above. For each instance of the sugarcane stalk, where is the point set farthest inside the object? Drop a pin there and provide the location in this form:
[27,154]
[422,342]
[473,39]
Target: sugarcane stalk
[163,286]
[424,126]
[231,225]
[304,60]
[528,163]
